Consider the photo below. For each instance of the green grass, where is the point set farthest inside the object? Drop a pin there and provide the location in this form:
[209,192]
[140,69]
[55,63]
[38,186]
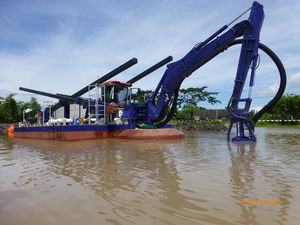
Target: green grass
[278,124]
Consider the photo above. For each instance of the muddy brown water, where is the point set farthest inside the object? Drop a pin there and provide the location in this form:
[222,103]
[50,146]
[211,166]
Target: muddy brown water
[199,180]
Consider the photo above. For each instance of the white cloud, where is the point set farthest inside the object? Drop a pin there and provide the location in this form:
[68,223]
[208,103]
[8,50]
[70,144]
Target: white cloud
[256,109]
[268,91]
[294,80]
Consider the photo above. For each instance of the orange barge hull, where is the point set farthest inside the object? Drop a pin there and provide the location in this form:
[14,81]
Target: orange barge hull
[88,132]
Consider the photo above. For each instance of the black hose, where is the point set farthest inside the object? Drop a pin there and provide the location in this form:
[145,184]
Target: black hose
[172,111]
[266,108]
[282,74]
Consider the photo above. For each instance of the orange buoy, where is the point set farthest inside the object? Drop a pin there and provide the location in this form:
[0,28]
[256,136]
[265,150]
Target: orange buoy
[151,134]
[10,131]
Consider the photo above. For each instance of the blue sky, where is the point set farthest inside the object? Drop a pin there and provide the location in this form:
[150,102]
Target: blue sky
[60,46]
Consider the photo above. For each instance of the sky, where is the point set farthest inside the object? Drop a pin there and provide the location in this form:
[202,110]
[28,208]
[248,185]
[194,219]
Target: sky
[60,46]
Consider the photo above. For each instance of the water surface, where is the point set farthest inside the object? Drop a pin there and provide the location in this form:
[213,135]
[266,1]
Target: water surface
[202,179]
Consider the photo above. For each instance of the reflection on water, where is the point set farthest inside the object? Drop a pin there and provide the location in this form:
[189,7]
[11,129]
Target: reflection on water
[199,180]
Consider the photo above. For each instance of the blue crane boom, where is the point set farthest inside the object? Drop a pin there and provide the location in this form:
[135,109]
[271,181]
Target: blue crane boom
[163,101]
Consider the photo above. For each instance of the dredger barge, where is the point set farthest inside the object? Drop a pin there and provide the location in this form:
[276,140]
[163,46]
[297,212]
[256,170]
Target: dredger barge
[112,109]
[76,118]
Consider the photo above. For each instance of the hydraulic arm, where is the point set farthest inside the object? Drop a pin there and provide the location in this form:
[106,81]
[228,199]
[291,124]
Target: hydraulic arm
[158,110]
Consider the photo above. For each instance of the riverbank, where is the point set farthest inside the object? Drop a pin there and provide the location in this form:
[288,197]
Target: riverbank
[199,125]
[223,125]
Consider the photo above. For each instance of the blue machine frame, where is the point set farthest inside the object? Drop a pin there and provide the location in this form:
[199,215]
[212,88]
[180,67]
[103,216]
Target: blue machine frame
[153,112]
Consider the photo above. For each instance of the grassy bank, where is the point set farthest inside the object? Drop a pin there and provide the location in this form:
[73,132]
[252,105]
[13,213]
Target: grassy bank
[199,125]
[278,124]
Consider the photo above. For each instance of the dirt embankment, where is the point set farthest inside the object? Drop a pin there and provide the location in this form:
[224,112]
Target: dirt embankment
[202,126]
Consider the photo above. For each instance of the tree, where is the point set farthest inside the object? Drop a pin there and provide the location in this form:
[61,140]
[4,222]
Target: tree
[12,111]
[288,107]
[189,99]
[192,97]
[3,114]
[141,96]
[34,106]
[9,110]
[191,110]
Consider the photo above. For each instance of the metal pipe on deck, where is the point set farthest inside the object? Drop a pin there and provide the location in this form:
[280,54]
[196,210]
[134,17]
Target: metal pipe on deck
[65,98]
[106,77]
[150,70]
[50,95]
